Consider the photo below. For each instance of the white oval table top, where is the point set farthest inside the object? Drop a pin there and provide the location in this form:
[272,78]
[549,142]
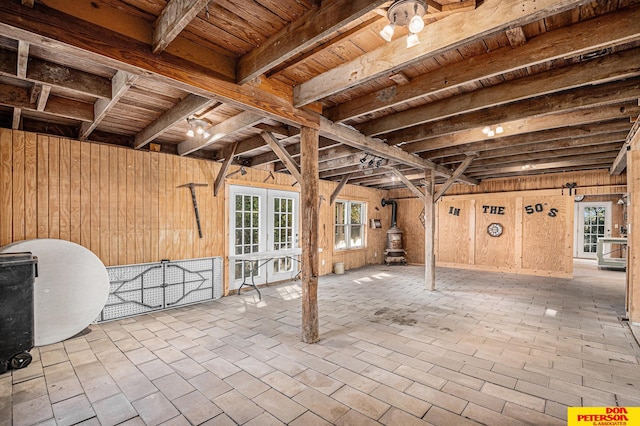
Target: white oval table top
[70,291]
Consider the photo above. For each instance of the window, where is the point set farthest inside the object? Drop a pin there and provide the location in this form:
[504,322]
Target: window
[349,224]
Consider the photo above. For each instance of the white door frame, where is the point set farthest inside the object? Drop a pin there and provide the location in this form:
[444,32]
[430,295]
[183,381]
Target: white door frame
[579,226]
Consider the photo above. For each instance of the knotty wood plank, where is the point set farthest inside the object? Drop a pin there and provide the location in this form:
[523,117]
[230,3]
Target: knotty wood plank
[122,207]
[75,177]
[6,187]
[65,188]
[309,195]
[105,208]
[154,206]
[138,202]
[301,34]
[131,209]
[95,200]
[494,16]
[54,187]
[85,195]
[113,205]
[30,187]
[162,206]
[18,186]
[175,16]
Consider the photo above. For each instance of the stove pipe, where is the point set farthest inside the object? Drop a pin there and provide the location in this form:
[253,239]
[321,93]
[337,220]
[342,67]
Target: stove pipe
[394,208]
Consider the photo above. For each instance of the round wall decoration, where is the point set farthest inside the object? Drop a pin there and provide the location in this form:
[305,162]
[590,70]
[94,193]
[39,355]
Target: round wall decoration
[495,229]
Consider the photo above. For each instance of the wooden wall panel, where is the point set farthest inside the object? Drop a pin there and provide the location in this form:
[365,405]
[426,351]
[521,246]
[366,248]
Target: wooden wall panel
[453,231]
[75,177]
[18,186]
[65,188]
[54,187]
[547,234]
[498,252]
[6,187]
[30,187]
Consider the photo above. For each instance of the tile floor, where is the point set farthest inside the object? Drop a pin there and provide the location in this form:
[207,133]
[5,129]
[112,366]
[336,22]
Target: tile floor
[485,348]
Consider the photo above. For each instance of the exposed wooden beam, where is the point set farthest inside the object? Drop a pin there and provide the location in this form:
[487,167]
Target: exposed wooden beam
[299,35]
[15,121]
[28,3]
[581,77]
[310,216]
[175,16]
[43,97]
[183,109]
[538,141]
[34,93]
[460,170]
[230,153]
[81,38]
[516,36]
[23,58]
[120,83]
[352,137]
[231,125]
[533,166]
[410,186]
[620,163]
[284,156]
[610,29]
[494,16]
[527,125]
[336,192]
[20,97]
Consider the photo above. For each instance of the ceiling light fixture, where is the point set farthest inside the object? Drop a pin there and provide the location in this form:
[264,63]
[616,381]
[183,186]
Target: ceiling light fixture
[407,13]
[198,126]
[492,131]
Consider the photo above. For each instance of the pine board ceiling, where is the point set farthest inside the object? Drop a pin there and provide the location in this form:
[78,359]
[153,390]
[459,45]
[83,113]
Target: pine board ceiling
[562,77]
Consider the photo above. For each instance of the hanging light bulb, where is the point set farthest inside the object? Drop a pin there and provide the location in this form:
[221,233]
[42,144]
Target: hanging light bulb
[491,133]
[206,135]
[412,40]
[486,130]
[388,30]
[190,133]
[416,24]
[199,130]
[499,129]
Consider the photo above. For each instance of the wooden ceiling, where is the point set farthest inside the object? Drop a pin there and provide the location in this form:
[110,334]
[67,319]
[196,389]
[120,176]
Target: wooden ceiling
[562,78]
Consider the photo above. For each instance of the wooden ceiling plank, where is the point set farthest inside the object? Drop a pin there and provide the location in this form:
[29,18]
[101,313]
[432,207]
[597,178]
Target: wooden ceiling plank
[34,93]
[573,100]
[565,137]
[492,17]
[284,156]
[232,125]
[23,59]
[546,165]
[410,186]
[336,192]
[611,67]
[83,39]
[527,125]
[19,97]
[15,122]
[43,97]
[607,30]
[120,83]
[620,162]
[185,108]
[450,181]
[301,34]
[175,16]
[516,37]
[352,137]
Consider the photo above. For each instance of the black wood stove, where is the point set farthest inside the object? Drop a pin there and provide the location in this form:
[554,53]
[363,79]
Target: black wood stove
[394,253]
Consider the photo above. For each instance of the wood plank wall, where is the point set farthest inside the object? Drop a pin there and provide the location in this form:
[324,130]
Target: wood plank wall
[457,242]
[124,205]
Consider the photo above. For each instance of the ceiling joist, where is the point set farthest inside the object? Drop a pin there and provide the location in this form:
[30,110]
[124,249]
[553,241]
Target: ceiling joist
[175,16]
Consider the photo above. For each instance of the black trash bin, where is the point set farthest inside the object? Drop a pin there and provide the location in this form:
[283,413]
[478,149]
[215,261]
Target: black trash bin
[17,276]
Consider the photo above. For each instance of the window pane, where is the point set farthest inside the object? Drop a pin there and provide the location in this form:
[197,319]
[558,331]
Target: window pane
[356,213]
[340,210]
[340,238]
[356,236]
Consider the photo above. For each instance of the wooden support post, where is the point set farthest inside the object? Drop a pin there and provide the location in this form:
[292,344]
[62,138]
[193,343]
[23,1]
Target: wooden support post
[633,254]
[429,230]
[309,189]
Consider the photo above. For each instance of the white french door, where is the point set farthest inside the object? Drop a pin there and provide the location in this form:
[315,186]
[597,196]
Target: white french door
[593,220]
[262,221]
